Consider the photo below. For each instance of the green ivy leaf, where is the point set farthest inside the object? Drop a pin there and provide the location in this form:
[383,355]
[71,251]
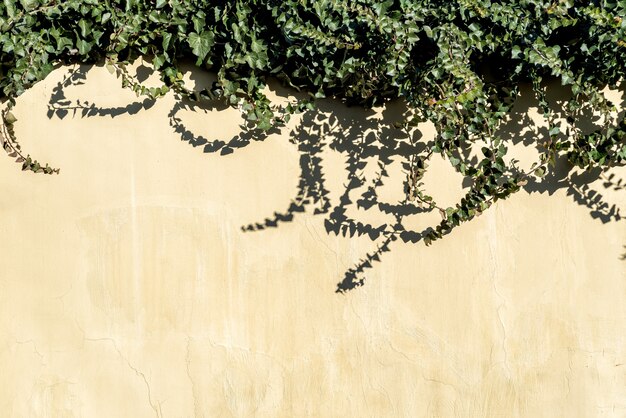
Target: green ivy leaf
[201,43]
[83,47]
[29,4]
[85,27]
[10,118]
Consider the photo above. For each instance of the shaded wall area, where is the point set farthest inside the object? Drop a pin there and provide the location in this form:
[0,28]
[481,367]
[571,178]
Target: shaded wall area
[180,267]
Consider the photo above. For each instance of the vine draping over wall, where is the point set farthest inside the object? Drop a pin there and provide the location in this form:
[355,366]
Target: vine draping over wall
[458,64]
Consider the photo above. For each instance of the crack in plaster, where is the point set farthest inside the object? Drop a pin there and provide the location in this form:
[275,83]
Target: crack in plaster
[156,408]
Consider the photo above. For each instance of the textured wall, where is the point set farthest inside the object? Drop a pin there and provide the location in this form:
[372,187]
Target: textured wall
[128,289]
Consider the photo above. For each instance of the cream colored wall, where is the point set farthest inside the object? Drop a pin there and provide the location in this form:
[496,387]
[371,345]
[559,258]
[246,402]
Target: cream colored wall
[127,288]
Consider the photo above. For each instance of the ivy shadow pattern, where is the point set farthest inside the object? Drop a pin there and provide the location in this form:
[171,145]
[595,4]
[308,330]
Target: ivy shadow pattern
[362,138]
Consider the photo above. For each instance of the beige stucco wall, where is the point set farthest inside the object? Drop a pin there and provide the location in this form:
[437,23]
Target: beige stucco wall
[128,289]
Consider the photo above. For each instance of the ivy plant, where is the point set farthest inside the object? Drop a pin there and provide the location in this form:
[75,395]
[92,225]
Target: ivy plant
[458,64]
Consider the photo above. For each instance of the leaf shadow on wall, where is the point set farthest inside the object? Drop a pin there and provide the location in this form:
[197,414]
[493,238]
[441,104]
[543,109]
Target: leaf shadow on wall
[60,106]
[359,137]
[363,138]
[580,184]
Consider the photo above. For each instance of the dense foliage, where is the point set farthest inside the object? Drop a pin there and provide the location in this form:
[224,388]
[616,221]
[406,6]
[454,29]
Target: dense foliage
[457,64]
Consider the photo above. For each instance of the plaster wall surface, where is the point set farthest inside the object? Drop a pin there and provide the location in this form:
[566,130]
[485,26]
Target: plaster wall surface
[129,289]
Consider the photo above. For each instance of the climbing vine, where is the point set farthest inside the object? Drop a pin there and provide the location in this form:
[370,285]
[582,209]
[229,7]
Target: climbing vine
[456,64]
